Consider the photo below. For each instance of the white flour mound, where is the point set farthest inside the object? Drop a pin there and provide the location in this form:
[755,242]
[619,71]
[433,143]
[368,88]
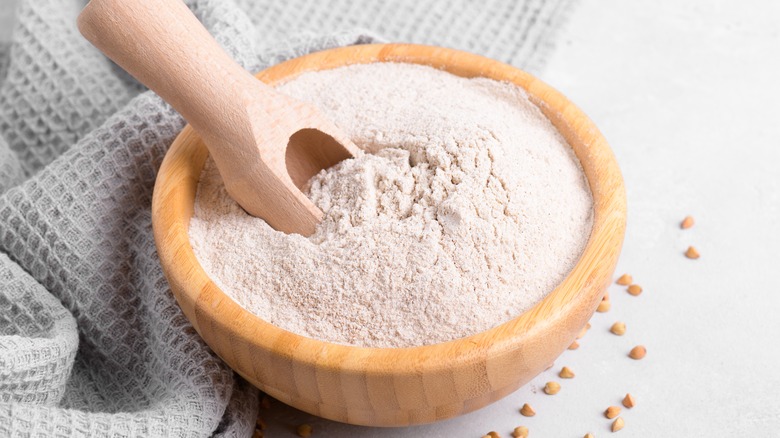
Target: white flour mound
[467,208]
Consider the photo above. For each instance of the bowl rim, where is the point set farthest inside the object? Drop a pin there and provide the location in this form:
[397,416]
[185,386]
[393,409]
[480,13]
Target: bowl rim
[205,303]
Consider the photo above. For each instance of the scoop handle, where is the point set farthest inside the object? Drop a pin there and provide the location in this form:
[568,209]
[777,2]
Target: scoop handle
[249,129]
[163,45]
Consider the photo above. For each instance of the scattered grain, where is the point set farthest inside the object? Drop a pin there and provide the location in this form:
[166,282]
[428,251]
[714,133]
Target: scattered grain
[552,388]
[605,297]
[612,412]
[589,435]
[604,306]
[304,431]
[520,432]
[628,401]
[566,373]
[625,280]
[637,352]
[574,345]
[618,328]
[692,253]
[618,424]
[582,333]
[635,289]
[527,410]
[687,222]
[492,434]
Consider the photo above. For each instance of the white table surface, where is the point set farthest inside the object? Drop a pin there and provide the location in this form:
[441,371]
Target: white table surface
[688,95]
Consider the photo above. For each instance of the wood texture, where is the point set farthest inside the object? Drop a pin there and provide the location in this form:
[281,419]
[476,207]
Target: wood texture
[396,387]
[246,125]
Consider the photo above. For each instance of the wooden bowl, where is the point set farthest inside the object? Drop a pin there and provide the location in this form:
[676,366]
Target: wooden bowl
[395,386]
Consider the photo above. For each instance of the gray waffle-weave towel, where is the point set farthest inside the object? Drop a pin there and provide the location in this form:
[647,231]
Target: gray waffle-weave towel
[91,339]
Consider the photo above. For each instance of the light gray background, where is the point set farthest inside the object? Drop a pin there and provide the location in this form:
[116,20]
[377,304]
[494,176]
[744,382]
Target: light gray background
[687,94]
[6,19]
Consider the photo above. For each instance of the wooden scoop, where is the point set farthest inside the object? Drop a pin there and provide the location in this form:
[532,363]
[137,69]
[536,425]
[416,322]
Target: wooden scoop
[266,145]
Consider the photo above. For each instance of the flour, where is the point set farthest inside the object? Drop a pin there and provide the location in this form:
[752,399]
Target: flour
[467,209]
